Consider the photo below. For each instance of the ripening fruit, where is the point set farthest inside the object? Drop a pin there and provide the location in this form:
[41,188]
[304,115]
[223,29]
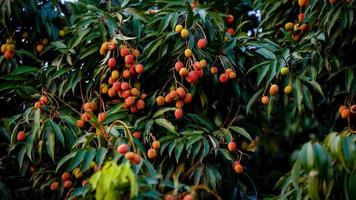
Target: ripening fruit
[45,41]
[68,184]
[232,146]
[104,88]
[345,113]
[136,134]
[156,144]
[296,37]
[151,153]
[181,92]
[214,70]
[288,89]
[112,45]
[115,74]
[111,62]
[10,47]
[201,43]
[66,176]
[183,72]
[184,33]
[300,17]
[129,101]
[137,159]
[223,78]
[39,48]
[111,92]
[105,46]
[230,19]
[37,105]
[265,100]
[85,116]
[178,65]
[134,92]
[302,3]
[62,33]
[3,48]
[122,149]
[8,54]
[289,26]
[101,117]
[202,63]
[179,28]
[135,53]
[188,197]
[169,197]
[333,1]
[87,107]
[238,167]
[341,108]
[21,136]
[353,109]
[54,186]
[178,113]
[129,59]
[139,68]
[273,90]
[125,86]
[140,104]
[232,75]
[188,98]
[173,94]
[124,51]
[230,31]
[126,73]
[304,28]
[80,123]
[160,100]
[284,71]
[130,156]
[188,53]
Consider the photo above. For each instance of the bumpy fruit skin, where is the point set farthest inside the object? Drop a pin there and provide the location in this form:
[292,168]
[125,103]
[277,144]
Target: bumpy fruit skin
[178,113]
[188,98]
[136,134]
[203,63]
[296,37]
[214,70]
[104,88]
[8,54]
[202,43]
[137,159]
[122,149]
[21,136]
[289,26]
[68,184]
[188,197]
[80,123]
[140,104]
[124,51]
[54,186]
[43,100]
[37,105]
[184,33]
[130,156]
[179,28]
[156,144]
[10,47]
[129,59]
[3,48]
[101,117]
[238,167]
[151,153]
[111,62]
[353,109]
[304,28]
[265,100]
[178,65]
[341,108]
[345,114]
[230,31]
[160,100]
[62,33]
[303,3]
[66,176]
[284,71]
[183,72]
[273,90]
[223,78]
[232,75]
[168,197]
[232,146]
[39,48]
[139,68]
[288,89]
[115,74]
[230,19]
[300,17]
[181,92]
[188,53]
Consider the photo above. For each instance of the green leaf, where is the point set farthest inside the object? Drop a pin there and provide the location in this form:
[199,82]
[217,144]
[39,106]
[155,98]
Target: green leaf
[89,156]
[21,155]
[165,124]
[65,159]
[79,157]
[266,53]
[241,131]
[253,100]
[178,149]
[100,155]
[58,132]
[161,111]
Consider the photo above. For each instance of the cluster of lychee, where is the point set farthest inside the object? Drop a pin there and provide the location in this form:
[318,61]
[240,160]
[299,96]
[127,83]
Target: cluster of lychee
[131,156]
[346,111]
[193,69]
[8,49]
[119,84]
[236,165]
[89,109]
[187,196]
[43,100]
[180,96]
[230,19]
[229,74]
[299,28]
[41,45]
[274,89]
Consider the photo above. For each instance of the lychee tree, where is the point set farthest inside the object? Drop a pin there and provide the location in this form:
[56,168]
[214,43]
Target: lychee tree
[177,99]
